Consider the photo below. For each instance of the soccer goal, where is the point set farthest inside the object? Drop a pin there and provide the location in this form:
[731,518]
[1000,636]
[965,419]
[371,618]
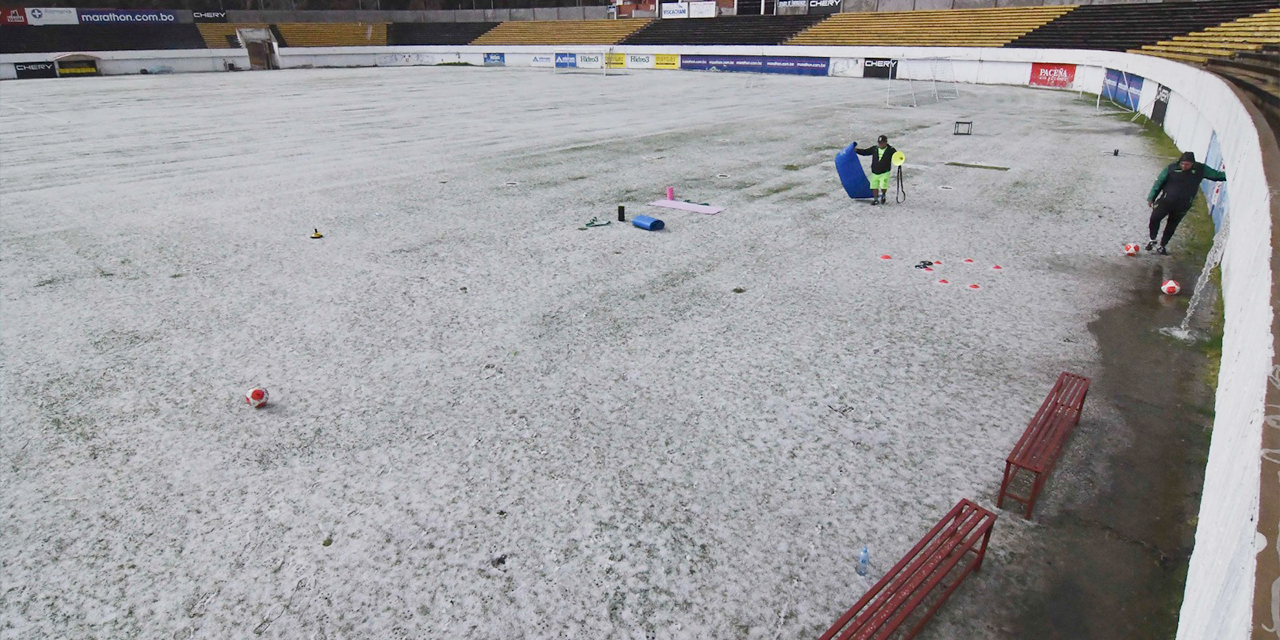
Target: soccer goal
[922,81]
[598,61]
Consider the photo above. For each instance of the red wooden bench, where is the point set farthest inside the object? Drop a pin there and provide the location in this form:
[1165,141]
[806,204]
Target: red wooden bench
[945,556]
[1038,449]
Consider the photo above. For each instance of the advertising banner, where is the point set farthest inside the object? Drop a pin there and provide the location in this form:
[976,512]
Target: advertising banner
[1060,76]
[1161,106]
[77,68]
[590,60]
[757,64]
[846,67]
[797,66]
[542,60]
[702,9]
[666,61]
[675,10]
[42,16]
[122,16]
[209,16]
[495,60]
[615,60]
[640,61]
[13,17]
[1215,193]
[879,68]
[825,6]
[1122,88]
[35,70]
[566,61]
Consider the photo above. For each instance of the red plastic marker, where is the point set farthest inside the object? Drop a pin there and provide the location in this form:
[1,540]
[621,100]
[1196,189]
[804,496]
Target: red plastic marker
[969,260]
[997,267]
[974,286]
[943,282]
[937,262]
[928,269]
[886,257]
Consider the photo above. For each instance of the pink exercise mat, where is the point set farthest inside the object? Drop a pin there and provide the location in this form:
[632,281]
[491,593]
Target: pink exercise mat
[686,206]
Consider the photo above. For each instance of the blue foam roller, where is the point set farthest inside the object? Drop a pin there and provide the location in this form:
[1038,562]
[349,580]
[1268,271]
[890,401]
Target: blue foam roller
[849,168]
[649,224]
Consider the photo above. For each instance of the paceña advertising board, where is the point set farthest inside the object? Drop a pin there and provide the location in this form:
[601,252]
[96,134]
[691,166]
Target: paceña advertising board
[495,59]
[1060,76]
[1122,88]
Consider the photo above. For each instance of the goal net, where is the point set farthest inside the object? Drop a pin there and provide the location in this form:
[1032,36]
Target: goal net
[596,61]
[922,81]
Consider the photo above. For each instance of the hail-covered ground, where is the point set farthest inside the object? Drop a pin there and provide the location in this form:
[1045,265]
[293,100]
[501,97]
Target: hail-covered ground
[487,421]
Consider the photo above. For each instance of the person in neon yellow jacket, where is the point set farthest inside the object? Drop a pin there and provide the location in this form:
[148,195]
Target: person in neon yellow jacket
[1171,196]
[881,164]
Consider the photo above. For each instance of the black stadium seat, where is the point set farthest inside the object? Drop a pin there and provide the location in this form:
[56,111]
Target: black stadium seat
[96,37]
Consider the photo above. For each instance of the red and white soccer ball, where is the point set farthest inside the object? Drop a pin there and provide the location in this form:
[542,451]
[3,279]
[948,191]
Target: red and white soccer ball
[256,397]
[1131,249]
[1171,287]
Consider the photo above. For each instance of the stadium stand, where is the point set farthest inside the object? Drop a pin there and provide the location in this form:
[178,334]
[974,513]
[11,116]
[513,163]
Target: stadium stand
[223,35]
[947,28]
[561,32]
[749,30]
[438,33]
[1121,27]
[95,37]
[1238,36]
[334,34]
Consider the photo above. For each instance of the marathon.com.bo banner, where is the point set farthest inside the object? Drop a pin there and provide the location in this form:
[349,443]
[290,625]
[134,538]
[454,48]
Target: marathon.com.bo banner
[879,68]
[122,16]
[791,65]
[35,70]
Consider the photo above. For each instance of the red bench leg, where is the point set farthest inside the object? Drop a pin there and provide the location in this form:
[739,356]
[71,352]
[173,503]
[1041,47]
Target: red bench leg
[1035,493]
[982,551]
[1004,485]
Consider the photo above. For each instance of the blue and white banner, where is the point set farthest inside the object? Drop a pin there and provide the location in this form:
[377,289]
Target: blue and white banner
[1215,193]
[1122,88]
[38,17]
[566,61]
[123,16]
[495,60]
[757,64]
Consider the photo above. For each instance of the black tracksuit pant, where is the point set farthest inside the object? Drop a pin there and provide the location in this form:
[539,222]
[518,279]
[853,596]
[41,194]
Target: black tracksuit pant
[1174,211]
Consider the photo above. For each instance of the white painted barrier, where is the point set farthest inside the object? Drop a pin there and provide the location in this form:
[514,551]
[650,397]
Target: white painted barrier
[1220,585]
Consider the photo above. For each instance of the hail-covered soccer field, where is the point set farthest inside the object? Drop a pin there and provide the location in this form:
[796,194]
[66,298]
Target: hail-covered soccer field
[485,420]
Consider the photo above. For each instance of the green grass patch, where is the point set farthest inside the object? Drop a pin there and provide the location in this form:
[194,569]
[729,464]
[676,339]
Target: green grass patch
[791,167]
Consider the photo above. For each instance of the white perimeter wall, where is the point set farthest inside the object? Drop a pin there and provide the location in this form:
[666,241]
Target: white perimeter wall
[1219,594]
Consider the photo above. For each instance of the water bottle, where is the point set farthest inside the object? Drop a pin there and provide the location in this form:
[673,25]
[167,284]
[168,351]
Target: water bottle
[864,559]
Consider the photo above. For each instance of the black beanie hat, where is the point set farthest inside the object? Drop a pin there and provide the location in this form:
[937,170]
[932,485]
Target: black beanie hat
[883,139]
[1187,156]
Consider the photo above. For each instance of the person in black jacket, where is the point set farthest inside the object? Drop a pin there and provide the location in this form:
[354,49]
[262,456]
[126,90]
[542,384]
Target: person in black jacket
[881,164]
[1172,194]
